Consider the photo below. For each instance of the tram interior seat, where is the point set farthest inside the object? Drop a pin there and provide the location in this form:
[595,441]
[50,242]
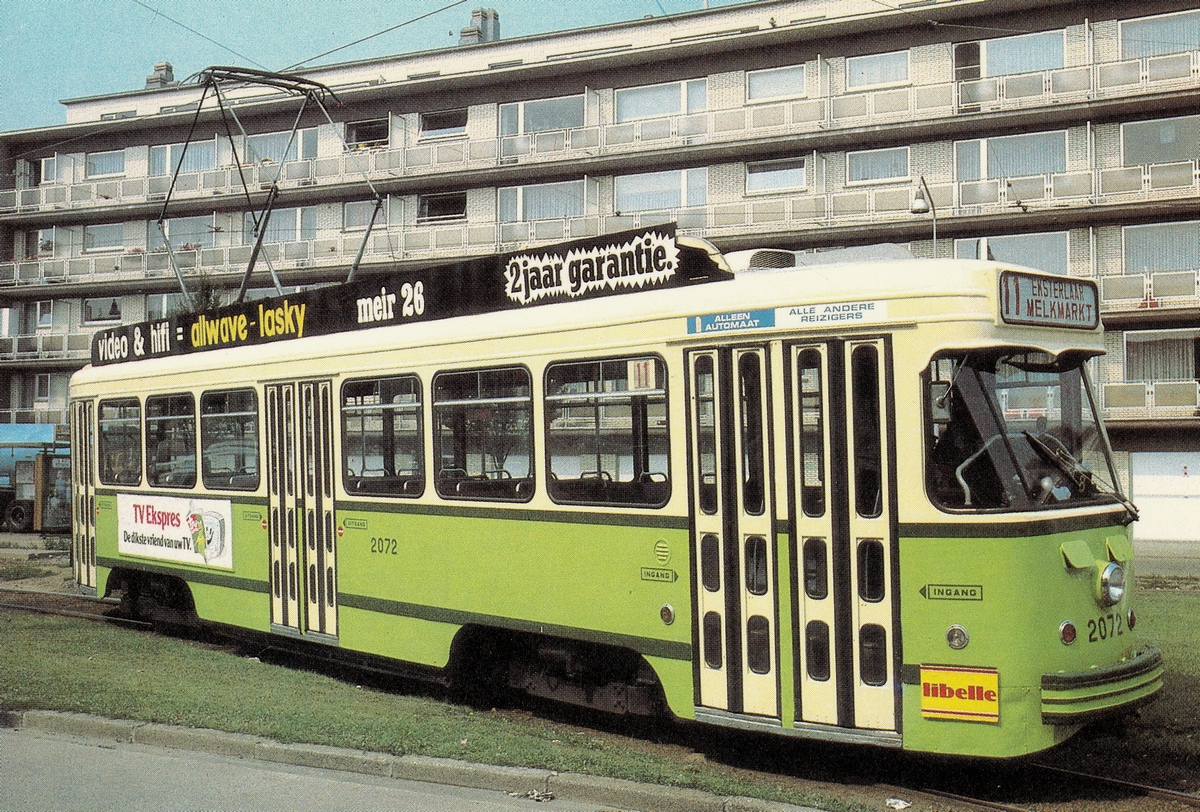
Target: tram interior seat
[491,484]
[651,488]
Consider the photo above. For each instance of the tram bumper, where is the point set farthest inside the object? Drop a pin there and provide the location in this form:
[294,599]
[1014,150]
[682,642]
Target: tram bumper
[1081,697]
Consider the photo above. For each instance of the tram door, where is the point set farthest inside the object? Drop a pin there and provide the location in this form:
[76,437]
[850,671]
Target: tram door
[844,545]
[737,666]
[83,497]
[300,473]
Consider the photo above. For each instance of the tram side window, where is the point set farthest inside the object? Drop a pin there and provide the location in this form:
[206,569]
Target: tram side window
[483,434]
[606,432]
[229,439]
[120,446]
[382,436]
[171,441]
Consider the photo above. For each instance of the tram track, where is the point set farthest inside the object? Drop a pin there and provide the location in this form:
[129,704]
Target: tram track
[1032,787]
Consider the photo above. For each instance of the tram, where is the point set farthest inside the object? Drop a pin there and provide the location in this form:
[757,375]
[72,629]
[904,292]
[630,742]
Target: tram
[867,502]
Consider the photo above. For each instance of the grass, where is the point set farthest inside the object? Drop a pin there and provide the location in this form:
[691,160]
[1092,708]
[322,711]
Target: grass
[59,664]
[19,570]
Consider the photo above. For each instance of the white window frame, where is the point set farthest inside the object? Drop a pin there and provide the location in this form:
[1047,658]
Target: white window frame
[781,163]
[684,86]
[1194,224]
[1155,335]
[907,177]
[87,160]
[52,177]
[518,193]
[43,313]
[446,133]
[983,243]
[983,155]
[170,160]
[103,319]
[1121,31]
[367,206]
[686,179]
[376,143]
[1160,122]
[520,108]
[446,218]
[120,246]
[907,80]
[41,387]
[985,73]
[212,230]
[751,99]
[167,304]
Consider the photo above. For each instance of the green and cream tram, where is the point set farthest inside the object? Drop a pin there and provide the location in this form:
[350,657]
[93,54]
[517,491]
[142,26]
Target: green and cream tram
[867,502]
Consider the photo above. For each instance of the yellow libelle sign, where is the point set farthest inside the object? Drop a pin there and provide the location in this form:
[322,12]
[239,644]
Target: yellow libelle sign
[960,693]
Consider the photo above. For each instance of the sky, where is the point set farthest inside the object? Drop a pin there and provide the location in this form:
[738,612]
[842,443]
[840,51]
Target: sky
[63,49]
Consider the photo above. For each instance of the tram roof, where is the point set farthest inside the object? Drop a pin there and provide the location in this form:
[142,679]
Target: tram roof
[591,283]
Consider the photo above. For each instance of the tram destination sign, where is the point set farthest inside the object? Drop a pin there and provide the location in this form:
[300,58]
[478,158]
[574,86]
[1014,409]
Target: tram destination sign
[1048,301]
[627,262]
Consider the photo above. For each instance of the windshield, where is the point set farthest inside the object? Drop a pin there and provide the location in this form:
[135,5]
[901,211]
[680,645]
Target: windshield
[1014,431]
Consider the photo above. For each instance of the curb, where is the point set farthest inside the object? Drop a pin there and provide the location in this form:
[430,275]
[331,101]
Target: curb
[514,780]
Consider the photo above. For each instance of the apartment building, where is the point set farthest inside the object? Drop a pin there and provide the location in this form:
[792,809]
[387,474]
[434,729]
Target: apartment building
[1060,135]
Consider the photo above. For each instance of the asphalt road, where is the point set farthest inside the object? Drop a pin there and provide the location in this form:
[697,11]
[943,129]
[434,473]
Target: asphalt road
[47,771]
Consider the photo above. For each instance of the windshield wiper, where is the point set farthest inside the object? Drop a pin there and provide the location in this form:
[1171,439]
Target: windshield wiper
[1079,474]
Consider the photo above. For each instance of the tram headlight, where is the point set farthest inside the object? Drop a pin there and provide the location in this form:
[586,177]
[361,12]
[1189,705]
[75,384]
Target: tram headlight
[1112,584]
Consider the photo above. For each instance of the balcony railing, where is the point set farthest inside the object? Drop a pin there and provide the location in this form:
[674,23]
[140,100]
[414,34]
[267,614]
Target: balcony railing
[44,416]
[1154,290]
[45,347]
[1146,400]
[890,105]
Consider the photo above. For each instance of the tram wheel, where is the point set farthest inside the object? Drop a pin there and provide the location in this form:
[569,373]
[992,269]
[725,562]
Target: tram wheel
[19,516]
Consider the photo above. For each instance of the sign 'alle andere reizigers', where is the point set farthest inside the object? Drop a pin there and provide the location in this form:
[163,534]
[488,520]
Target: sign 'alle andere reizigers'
[614,264]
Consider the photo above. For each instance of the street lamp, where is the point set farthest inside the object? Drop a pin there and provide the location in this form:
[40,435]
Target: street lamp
[923,204]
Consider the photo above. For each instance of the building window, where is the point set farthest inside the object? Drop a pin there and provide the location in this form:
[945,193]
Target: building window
[873,165]
[541,115]
[119,454]
[382,436]
[1004,56]
[104,237]
[49,170]
[169,158]
[363,134]
[104,164]
[1011,156]
[268,148]
[661,191]
[1154,36]
[171,441]
[659,101]
[543,201]
[483,423]
[43,313]
[1161,355]
[775,83]
[356,215]
[229,439]
[41,388]
[104,309]
[163,305]
[877,70]
[764,177]
[292,225]
[1162,247]
[606,432]
[1161,141]
[1046,251]
[444,124]
[437,208]
[190,233]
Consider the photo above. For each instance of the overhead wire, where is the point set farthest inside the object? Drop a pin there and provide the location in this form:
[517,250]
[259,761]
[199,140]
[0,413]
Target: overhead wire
[188,28]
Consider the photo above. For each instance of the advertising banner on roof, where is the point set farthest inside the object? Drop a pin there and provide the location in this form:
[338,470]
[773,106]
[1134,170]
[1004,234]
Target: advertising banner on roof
[614,264]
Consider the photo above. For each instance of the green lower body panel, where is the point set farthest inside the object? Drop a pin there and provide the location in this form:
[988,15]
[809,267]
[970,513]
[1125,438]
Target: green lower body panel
[1079,698]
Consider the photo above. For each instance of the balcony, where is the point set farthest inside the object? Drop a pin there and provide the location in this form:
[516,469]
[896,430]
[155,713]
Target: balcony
[30,415]
[797,117]
[1150,400]
[46,347]
[1150,292]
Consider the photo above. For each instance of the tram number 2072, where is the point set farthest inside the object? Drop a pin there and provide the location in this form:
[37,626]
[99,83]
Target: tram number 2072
[1106,626]
[384,546]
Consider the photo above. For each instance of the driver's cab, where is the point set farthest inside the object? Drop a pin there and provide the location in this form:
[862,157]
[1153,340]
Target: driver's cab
[1013,429]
